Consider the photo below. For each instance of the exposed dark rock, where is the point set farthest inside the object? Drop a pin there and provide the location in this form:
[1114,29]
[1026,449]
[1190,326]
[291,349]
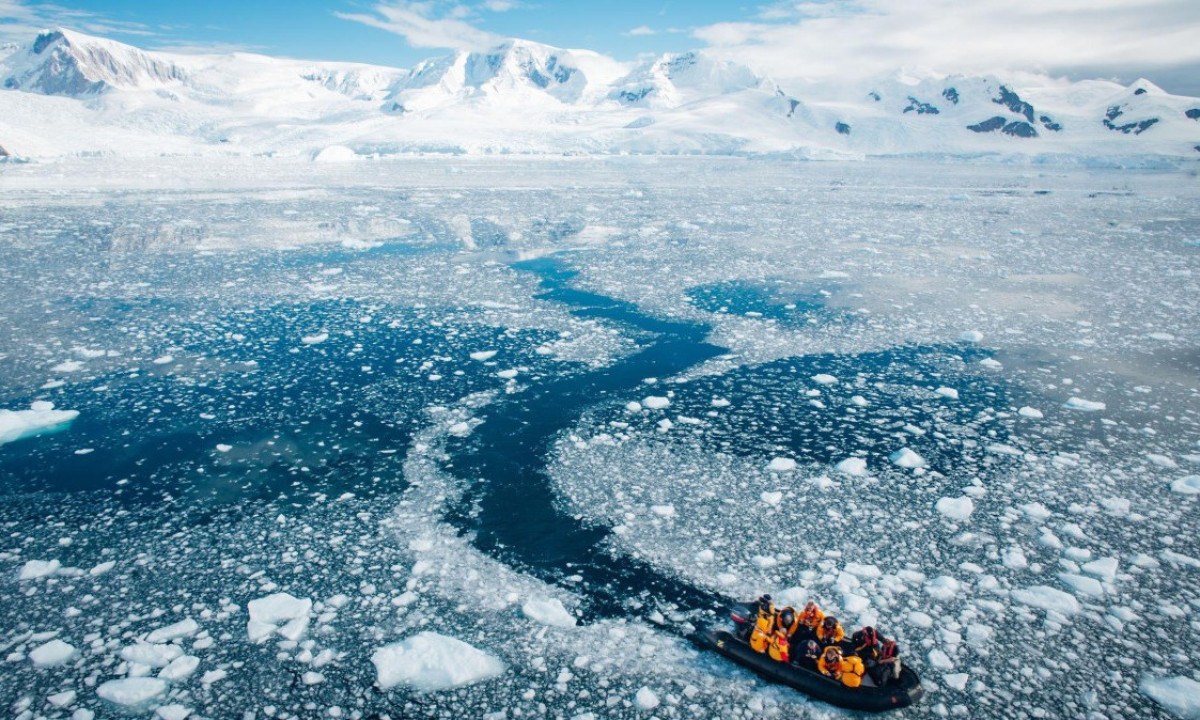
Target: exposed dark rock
[45,40]
[792,105]
[842,128]
[398,108]
[1020,128]
[1194,113]
[1049,123]
[1013,101]
[989,125]
[874,96]
[1140,91]
[1017,128]
[632,96]
[1137,128]
[951,94]
[1197,148]
[3,152]
[922,108]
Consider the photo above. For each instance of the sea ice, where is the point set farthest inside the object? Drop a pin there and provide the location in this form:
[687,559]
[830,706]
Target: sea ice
[656,402]
[1047,598]
[279,613]
[40,417]
[483,355]
[956,508]
[906,458]
[947,392]
[548,612]
[34,569]
[1077,403]
[131,692]
[1180,695]
[853,466]
[429,662]
[1189,485]
[824,379]
[183,628]
[1031,413]
[52,654]
[180,668]
[781,464]
[645,699]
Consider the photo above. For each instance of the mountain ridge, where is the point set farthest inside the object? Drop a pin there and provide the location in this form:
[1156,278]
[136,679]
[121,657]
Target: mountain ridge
[67,93]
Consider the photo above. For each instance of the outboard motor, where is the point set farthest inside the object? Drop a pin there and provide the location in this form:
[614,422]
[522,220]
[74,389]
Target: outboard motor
[743,620]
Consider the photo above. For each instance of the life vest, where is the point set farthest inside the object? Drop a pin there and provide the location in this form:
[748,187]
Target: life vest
[764,628]
[827,669]
[830,638]
[811,619]
[779,648]
[852,671]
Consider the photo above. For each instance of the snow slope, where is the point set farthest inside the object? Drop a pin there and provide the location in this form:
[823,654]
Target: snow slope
[66,93]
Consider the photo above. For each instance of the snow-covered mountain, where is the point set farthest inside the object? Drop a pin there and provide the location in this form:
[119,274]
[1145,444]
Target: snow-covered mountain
[68,93]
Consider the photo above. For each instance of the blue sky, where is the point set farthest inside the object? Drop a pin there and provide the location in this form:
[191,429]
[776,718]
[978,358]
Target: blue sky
[793,41]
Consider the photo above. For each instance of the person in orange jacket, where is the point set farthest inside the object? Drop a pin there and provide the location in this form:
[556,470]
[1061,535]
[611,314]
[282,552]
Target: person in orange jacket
[811,617]
[830,631]
[849,670]
[788,621]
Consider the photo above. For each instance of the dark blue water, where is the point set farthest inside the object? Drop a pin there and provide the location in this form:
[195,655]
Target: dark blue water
[511,508]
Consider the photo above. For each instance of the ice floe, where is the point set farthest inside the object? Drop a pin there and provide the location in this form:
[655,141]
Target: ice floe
[429,662]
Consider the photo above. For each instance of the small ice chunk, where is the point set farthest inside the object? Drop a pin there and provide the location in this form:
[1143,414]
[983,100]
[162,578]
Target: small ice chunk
[971,336]
[645,699]
[781,464]
[184,628]
[132,692]
[940,660]
[180,668]
[222,447]
[1082,585]
[315,339]
[102,568]
[907,458]
[947,392]
[853,466]
[772,498]
[957,681]
[52,654]
[1032,413]
[1180,695]
[663,510]
[548,612]
[163,360]
[483,355]
[1014,558]
[151,655]
[991,363]
[959,509]
[1104,568]
[1189,485]
[174,711]
[282,613]
[1077,403]
[705,556]
[62,699]
[1036,511]
[920,619]
[824,379]
[34,569]
[460,429]
[429,662]
[67,366]
[656,402]
[633,406]
[41,417]
[1047,598]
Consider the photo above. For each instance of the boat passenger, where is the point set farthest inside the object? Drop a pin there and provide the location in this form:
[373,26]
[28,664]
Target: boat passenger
[830,631]
[811,617]
[764,624]
[808,653]
[865,644]
[886,666]
[849,670]
[788,621]
[778,647]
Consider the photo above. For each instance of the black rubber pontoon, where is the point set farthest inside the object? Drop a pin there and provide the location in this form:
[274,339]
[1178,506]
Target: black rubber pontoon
[905,691]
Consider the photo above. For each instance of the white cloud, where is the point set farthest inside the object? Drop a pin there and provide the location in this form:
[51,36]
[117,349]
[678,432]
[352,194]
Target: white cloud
[641,30]
[500,5]
[21,21]
[822,40]
[427,25]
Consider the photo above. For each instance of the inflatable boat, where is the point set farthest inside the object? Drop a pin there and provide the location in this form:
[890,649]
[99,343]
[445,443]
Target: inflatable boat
[901,692]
